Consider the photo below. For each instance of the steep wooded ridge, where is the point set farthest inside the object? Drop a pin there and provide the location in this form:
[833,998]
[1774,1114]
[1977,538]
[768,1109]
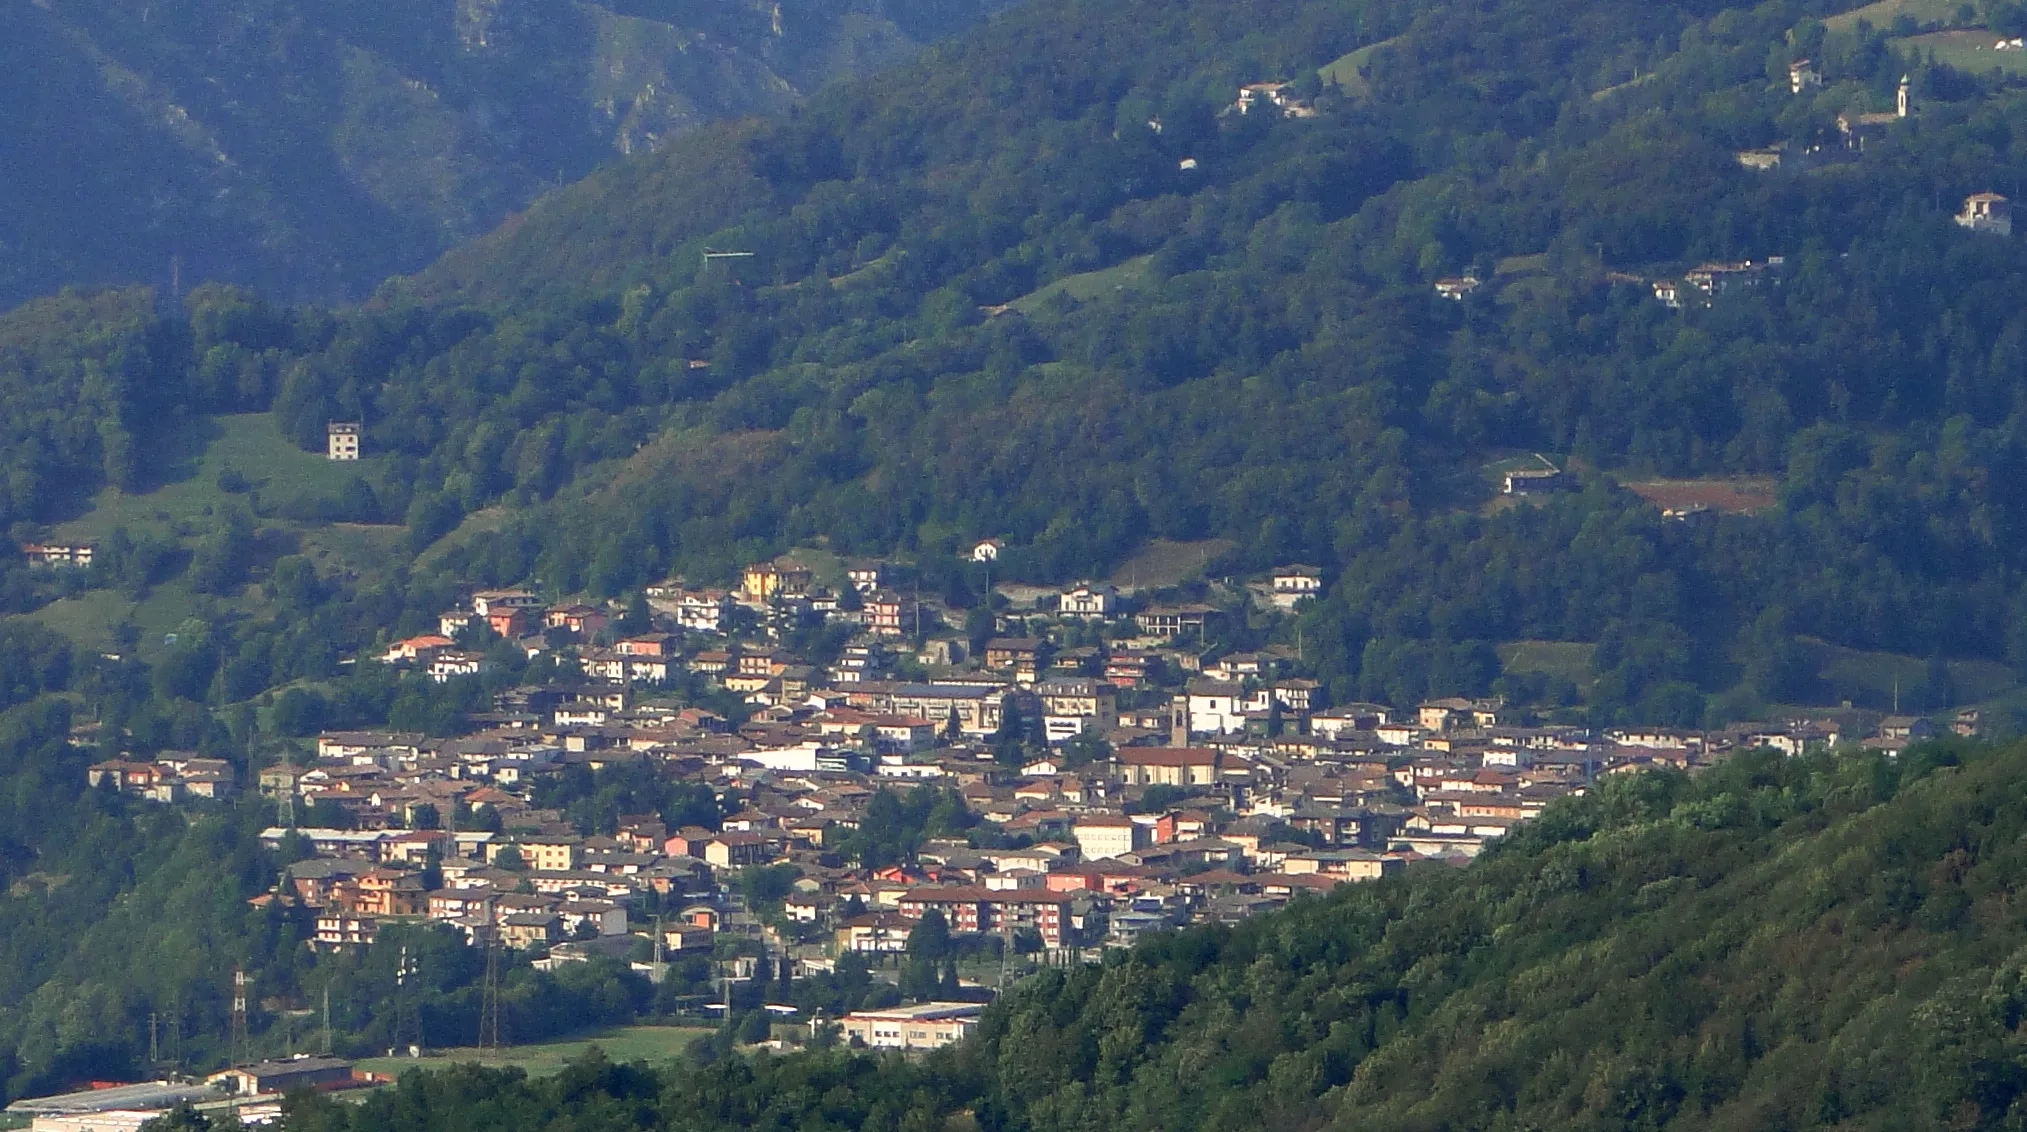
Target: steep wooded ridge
[1041,283]
[312,149]
[1816,943]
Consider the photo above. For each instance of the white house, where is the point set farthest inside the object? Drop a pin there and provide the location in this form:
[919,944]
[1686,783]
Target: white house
[1987,212]
[1216,707]
[1088,601]
[1293,583]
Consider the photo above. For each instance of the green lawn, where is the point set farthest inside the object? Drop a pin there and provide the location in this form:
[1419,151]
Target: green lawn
[627,1043]
[1881,14]
[186,502]
[89,619]
[1869,679]
[1088,285]
[189,497]
[1629,84]
[1570,660]
[1348,70]
[1968,51]
[868,272]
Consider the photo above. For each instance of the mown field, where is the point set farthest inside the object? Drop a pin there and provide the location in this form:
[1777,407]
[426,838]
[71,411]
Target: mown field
[627,1043]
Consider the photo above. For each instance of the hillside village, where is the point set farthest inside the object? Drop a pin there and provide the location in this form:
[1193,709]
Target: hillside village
[1095,773]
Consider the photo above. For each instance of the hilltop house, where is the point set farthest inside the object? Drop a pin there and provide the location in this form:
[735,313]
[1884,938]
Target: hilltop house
[78,554]
[1987,212]
[1277,95]
[1088,601]
[1456,288]
[341,440]
[1293,583]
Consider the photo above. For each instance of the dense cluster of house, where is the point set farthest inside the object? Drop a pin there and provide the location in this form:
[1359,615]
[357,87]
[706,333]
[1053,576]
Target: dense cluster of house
[1154,783]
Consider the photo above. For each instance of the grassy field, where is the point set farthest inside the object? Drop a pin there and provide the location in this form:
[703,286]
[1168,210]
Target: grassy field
[1882,13]
[189,495]
[1629,84]
[627,1043]
[1348,70]
[1869,679]
[1570,660]
[1969,51]
[185,504]
[89,619]
[1088,285]
[1165,563]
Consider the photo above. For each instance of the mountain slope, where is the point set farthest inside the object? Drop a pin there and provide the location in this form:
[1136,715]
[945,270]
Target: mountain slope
[313,149]
[934,340]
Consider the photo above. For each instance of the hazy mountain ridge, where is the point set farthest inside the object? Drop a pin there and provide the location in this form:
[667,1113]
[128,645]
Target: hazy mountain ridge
[311,150]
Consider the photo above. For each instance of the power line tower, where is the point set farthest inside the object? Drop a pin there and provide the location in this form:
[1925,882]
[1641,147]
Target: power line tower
[407,1011]
[489,999]
[239,1038]
[326,1051]
[656,969]
[154,1046]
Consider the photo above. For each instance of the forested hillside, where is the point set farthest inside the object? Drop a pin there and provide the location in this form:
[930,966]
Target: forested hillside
[1774,944]
[1043,284]
[312,149]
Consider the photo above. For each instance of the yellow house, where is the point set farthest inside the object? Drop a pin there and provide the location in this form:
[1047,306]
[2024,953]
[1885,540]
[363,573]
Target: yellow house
[764,580]
[552,854]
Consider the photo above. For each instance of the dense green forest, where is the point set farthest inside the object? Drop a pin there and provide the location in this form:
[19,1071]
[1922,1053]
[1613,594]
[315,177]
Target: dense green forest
[1041,284]
[311,149]
[1813,943]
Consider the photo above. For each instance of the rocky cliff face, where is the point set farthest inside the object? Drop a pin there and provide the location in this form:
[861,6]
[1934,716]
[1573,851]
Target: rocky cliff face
[311,149]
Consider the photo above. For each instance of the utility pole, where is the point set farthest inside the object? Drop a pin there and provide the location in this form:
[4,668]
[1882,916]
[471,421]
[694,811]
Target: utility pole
[154,1047]
[327,1019]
